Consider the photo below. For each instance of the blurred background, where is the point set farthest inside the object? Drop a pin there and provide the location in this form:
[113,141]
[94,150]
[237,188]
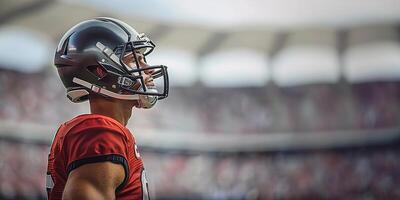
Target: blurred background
[268,100]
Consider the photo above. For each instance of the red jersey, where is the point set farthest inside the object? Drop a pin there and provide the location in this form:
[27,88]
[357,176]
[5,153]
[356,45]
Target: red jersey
[94,138]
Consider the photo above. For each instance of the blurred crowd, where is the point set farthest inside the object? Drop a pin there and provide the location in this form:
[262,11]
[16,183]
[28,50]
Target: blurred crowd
[362,173]
[335,174]
[308,108]
[34,98]
[22,170]
[40,98]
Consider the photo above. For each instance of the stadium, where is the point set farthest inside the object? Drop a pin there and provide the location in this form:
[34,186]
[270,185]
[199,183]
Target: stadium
[268,99]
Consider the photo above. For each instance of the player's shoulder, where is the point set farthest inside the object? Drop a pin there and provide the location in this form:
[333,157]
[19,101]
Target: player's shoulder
[95,120]
[87,122]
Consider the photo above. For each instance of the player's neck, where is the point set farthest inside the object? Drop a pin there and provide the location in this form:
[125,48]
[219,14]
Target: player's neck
[118,111]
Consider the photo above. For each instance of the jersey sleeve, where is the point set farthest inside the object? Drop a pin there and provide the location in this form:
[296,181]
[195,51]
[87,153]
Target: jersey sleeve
[93,141]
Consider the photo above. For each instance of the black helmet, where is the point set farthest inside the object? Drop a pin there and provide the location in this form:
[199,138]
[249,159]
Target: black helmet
[89,58]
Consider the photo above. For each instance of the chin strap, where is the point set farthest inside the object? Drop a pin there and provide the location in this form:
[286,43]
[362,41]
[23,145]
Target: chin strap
[145,101]
[104,91]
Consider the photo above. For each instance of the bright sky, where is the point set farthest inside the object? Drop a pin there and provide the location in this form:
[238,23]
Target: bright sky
[243,13]
[24,50]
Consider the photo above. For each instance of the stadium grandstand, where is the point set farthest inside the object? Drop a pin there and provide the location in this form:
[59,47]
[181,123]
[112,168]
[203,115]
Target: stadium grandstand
[261,106]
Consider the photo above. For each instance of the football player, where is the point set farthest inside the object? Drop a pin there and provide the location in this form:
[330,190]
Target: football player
[94,156]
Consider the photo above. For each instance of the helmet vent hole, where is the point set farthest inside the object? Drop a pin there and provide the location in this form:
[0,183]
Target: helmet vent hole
[97,70]
[65,46]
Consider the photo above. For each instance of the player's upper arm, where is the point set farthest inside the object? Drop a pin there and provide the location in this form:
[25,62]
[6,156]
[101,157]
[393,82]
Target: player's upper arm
[94,181]
[96,160]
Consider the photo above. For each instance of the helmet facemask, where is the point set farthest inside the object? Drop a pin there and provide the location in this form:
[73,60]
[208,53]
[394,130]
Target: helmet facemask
[133,81]
[138,70]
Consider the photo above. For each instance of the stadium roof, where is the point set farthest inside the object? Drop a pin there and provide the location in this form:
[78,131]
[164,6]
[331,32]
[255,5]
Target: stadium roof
[275,32]
[239,14]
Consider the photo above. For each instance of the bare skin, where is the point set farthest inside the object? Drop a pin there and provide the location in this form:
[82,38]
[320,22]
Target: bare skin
[100,180]
[94,181]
